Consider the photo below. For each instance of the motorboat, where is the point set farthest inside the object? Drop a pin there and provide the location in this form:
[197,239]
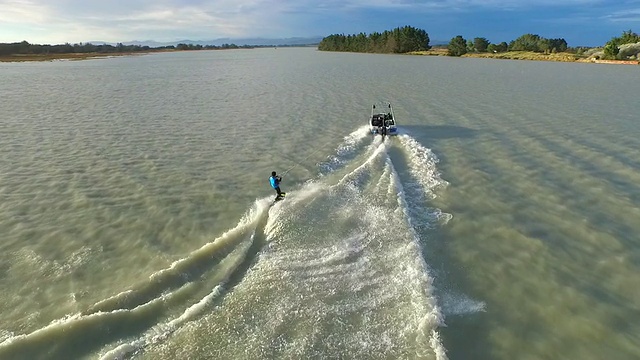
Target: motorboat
[382,120]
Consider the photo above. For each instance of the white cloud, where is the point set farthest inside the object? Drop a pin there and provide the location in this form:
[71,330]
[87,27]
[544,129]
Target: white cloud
[418,5]
[23,12]
[77,20]
[632,15]
[168,20]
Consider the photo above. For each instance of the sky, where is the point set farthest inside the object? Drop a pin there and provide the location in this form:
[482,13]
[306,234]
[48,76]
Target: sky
[579,22]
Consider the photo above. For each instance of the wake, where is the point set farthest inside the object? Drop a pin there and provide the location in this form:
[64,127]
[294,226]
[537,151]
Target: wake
[375,255]
[312,236]
[138,307]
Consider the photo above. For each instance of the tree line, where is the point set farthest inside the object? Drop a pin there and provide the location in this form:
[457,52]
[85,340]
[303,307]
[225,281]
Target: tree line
[399,40]
[620,47]
[459,46]
[407,39]
[25,48]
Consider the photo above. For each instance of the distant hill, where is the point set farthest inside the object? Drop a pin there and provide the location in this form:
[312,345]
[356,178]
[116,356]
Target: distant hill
[438,42]
[221,41]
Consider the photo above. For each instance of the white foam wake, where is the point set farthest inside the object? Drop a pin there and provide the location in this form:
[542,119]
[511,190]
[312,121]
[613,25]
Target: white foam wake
[434,318]
[423,168]
[162,331]
[345,150]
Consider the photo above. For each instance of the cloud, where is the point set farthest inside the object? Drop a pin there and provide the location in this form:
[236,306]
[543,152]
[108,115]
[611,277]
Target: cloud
[425,5]
[163,19]
[170,20]
[23,12]
[632,15]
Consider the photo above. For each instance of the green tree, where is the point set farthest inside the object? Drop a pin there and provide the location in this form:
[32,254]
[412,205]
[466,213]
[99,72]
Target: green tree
[558,45]
[470,46]
[529,42]
[457,46]
[480,44]
[628,37]
[497,48]
[399,40]
[611,50]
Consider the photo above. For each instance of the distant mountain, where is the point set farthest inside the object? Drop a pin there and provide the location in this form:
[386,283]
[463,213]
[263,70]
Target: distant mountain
[438,42]
[221,41]
[240,41]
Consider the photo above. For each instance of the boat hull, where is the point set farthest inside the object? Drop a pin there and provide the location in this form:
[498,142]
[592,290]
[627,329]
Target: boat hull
[392,130]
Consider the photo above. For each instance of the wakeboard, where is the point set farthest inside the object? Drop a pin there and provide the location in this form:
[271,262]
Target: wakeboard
[281,196]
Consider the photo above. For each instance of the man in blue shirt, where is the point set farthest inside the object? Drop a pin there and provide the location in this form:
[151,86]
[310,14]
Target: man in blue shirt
[275,183]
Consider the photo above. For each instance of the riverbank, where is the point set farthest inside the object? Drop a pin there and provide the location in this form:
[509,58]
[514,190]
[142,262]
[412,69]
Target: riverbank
[528,55]
[70,56]
[98,55]
[510,55]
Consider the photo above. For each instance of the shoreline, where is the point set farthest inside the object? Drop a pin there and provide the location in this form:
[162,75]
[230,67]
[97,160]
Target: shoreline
[69,56]
[509,55]
[76,56]
[88,56]
[528,55]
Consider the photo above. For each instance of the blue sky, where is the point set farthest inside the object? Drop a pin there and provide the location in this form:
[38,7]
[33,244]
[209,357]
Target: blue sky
[580,22]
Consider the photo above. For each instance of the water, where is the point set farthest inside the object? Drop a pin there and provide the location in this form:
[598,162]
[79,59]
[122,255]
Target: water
[137,218]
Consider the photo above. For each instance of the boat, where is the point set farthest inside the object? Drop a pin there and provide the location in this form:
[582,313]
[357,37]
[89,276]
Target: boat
[382,120]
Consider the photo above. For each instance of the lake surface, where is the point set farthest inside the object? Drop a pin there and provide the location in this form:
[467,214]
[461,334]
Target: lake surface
[137,220]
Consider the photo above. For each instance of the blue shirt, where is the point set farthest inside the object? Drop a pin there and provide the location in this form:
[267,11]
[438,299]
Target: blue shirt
[275,182]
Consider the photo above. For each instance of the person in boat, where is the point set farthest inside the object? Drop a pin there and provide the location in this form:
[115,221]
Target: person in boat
[275,180]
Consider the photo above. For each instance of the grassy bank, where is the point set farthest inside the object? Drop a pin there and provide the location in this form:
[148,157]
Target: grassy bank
[439,51]
[526,55]
[562,56]
[513,55]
